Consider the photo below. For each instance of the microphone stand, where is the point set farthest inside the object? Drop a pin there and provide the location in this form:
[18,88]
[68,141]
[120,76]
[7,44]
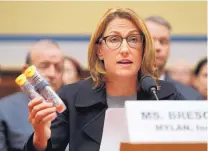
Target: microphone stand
[153,90]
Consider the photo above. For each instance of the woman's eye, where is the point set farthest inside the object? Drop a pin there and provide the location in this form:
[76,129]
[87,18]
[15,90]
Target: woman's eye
[114,39]
[133,39]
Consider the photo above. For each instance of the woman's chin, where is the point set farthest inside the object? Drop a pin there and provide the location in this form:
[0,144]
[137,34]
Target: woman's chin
[126,74]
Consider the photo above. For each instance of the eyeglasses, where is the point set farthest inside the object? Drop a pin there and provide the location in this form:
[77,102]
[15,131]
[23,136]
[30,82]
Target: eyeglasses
[114,41]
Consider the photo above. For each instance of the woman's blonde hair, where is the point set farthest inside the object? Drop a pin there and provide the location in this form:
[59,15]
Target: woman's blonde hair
[96,66]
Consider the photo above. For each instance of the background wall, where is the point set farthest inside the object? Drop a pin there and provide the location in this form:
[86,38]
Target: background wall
[71,24]
[82,17]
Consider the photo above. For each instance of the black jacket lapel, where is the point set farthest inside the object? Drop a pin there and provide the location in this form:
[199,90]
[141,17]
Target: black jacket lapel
[94,127]
[93,103]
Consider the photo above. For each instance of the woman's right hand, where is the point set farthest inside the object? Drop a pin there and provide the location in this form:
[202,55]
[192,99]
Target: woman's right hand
[41,113]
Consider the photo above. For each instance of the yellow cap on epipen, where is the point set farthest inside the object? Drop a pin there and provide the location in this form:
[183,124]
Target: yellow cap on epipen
[20,80]
[30,71]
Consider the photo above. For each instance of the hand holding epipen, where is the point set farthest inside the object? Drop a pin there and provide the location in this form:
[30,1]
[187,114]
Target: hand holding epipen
[26,86]
[42,86]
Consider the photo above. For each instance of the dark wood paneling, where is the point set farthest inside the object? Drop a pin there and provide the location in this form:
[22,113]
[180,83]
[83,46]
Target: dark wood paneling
[7,82]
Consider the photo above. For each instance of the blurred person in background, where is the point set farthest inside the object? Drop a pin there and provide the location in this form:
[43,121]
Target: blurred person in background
[180,71]
[73,72]
[0,73]
[15,128]
[200,77]
[160,31]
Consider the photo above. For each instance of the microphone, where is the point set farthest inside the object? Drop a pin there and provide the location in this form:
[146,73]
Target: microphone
[148,85]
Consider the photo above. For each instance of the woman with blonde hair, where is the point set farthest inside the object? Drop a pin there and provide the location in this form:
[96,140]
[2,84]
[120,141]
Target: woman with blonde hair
[121,51]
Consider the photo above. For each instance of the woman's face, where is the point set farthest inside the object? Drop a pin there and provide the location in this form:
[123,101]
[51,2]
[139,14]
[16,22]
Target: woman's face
[201,80]
[70,74]
[123,61]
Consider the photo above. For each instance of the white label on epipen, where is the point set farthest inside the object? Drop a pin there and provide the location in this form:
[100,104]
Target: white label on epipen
[49,95]
[27,87]
[36,79]
[32,94]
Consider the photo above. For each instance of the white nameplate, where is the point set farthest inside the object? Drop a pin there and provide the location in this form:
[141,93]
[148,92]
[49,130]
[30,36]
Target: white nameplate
[167,121]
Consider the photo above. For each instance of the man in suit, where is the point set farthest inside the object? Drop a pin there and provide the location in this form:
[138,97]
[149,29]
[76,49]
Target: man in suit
[160,30]
[15,128]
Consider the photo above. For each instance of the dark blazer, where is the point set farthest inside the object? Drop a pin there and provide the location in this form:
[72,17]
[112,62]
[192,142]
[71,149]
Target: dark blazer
[15,128]
[188,92]
[82,123]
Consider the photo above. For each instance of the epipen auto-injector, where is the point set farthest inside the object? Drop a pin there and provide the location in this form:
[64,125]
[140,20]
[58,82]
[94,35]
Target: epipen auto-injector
[42,86]
[26,86]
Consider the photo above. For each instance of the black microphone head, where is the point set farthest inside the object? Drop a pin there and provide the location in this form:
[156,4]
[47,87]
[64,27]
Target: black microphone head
[148,84]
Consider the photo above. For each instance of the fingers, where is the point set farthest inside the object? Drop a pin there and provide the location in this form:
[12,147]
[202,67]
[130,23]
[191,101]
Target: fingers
[39,107]
[34,102]
[40,115]
[41,110]
[44,119]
